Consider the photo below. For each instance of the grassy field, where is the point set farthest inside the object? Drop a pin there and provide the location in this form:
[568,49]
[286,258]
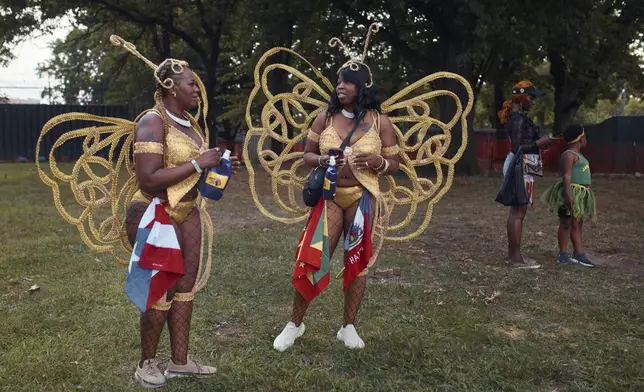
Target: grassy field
[455,319]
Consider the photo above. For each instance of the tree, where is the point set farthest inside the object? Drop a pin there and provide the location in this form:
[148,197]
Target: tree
[303,26]
[196,25]
[219,39]
[92,71]
[581,50]
[75,64]
[17,21]
[589,45]
[473,38]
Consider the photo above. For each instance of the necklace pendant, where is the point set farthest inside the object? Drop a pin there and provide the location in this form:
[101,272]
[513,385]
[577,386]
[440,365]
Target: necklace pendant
[347,151]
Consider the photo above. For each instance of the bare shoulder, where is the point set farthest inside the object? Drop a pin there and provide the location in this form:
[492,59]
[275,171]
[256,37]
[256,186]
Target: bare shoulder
[385,123]
[384,118]
[320,122]
[149,128]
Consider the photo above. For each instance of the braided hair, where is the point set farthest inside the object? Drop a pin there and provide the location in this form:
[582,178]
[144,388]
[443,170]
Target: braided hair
[366,97]
[167,75]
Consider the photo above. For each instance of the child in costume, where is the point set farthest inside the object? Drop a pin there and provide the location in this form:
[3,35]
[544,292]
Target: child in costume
[572,197]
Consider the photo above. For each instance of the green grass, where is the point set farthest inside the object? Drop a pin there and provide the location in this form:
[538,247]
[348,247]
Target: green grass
[455,320]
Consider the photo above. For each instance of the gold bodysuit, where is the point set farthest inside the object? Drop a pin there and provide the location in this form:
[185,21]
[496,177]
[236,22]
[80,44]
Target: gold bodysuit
[177,149]
[369,143]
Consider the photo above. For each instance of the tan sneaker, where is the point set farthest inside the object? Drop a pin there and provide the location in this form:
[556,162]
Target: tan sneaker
[527,264]
[190,369]
[149,375]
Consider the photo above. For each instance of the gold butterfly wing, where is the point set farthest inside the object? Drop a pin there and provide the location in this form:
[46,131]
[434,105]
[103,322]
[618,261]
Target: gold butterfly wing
[424,140]
[101,186]
[299,107]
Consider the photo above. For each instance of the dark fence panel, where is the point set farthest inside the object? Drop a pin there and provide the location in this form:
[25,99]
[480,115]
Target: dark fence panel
[20,127]
[616,145]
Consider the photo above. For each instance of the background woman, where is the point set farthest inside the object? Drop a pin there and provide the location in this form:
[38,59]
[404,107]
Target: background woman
[527,137]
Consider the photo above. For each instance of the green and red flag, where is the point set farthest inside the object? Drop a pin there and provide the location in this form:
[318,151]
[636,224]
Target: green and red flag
[312,260]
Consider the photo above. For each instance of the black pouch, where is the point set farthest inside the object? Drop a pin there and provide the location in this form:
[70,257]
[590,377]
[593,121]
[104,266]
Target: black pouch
[513,192]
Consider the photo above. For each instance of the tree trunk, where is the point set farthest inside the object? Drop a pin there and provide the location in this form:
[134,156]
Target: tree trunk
[278,78]
[467,165]
[567,94]
[165,35]
[212,67]
[499,98]
[165,44]
[214,108]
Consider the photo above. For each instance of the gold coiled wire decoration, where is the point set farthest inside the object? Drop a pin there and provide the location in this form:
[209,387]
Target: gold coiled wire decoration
[103,187]
[309,97]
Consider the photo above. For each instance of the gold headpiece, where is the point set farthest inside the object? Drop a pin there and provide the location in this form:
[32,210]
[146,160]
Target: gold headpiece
[355,61]
[177,66]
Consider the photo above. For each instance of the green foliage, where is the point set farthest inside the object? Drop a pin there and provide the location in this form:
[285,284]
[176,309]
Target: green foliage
[17,22]
[591,48]
[580,51]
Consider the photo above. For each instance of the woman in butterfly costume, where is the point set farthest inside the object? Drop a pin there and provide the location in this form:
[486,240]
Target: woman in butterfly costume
[170,153]
[376,148]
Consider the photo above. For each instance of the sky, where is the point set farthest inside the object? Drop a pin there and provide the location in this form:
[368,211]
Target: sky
[20,79]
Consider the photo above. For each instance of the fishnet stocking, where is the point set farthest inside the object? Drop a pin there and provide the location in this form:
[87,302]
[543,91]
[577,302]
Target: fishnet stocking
[181,311]
[335,227]
[353,299]
[355,291]
[151,324]
[152,321]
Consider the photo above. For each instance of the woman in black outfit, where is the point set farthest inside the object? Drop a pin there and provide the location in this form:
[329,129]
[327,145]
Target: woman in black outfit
[524,135]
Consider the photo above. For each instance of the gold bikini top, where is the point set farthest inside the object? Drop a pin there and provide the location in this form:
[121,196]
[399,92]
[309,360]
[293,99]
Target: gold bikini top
[368,143]
[177,149]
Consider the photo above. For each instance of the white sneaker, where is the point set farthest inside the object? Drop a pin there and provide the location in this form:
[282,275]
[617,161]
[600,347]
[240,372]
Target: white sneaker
[149,375]
[350,337]
[286,339]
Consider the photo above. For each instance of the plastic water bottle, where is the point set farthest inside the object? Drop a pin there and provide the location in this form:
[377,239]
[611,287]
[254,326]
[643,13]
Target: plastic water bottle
[217,178]
[328,191]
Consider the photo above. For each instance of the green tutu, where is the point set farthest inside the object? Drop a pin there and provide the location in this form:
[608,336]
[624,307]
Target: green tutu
[582,196]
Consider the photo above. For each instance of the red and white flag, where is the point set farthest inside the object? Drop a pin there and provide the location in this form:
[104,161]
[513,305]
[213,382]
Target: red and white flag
[156,263]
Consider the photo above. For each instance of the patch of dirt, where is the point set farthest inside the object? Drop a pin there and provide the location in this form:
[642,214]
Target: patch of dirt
[617,260]
[513,333]
[556,332]
[468,226]
[518,316]
[387,275]
[555,387]
[226,331]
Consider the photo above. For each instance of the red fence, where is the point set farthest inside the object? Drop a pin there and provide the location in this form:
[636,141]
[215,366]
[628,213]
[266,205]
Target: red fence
[605,156]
